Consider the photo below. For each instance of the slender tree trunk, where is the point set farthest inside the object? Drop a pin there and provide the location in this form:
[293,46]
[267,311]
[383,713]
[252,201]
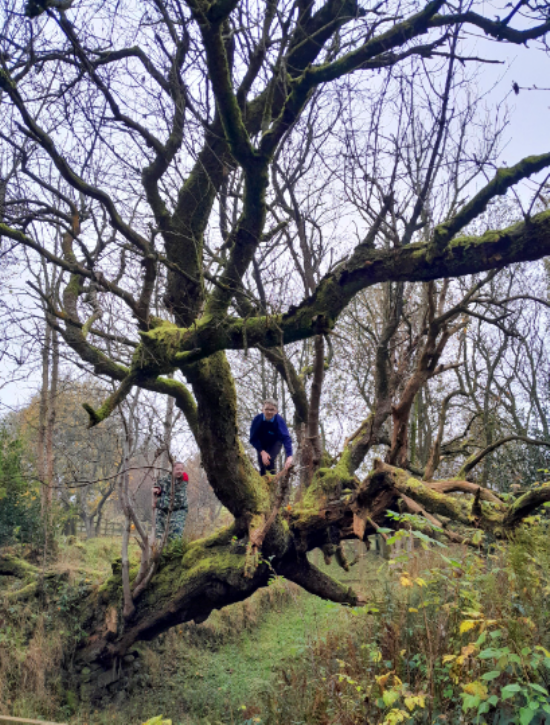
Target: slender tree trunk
[89,526]
[314,436]
[230,473]
[487,463]
[168,425]
[264,382]
[128,607]
[50,424]
[42,416]
[3,191]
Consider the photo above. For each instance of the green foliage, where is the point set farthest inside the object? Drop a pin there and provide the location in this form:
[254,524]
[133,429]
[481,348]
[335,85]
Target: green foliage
[450,636]
[19,495]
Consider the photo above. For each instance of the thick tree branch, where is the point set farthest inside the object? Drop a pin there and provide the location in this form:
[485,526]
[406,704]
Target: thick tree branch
[395,37]
[527,504]
[314,581]
[503,180]
[524,241]
[458,486]
[494,28]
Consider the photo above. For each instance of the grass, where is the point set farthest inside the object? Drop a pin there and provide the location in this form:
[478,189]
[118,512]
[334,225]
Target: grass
[92,558]
[451,637]
[195,674]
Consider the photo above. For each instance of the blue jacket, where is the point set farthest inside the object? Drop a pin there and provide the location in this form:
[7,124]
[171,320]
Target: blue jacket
[281,433]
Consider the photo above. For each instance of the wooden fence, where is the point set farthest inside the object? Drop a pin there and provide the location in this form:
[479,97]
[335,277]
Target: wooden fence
[107,528]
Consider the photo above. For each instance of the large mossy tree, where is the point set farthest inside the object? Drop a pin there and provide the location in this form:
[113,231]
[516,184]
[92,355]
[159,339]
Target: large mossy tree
[128,130]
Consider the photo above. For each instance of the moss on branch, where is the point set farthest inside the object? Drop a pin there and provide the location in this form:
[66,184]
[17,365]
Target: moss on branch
[167,346]
[526,504]
[329,483]
[503,180]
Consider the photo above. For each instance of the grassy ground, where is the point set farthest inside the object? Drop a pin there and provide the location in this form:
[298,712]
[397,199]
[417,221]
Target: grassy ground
[92,557]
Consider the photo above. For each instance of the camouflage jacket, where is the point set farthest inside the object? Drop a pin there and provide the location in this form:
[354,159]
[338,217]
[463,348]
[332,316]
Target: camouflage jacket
[180,494]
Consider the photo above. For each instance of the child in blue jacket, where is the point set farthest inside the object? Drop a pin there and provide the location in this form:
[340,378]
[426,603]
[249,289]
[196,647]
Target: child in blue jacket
[268,434]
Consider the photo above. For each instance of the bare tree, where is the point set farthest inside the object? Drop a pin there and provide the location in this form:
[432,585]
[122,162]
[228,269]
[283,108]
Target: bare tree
[144,124]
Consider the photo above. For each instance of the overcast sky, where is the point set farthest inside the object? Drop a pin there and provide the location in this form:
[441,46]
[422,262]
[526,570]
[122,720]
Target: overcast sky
[529,132]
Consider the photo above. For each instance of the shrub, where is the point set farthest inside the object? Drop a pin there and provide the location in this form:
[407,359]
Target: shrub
[19,495]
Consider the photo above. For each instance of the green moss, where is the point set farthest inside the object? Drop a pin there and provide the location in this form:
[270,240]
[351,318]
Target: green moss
[73,286]
[11,565]
[490,513]
[198,562]
[329,482]
[26,592]
[192,556]
[159,347]
[210,556]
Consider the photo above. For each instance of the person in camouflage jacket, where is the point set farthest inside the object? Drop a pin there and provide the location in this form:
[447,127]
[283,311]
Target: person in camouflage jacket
[163,492]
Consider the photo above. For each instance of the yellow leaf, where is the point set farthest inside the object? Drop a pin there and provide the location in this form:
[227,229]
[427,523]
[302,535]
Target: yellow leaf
[472,613]
[476,688]
[466,652]
[405,581]
[414,701]
[420,582]
[467,625]
[448,658]
[396,716]
[389,697]
[413,609]
[477,537]
[383,679]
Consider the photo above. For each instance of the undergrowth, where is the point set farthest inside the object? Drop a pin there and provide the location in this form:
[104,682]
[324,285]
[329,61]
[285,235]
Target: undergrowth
[453,637]
[449,635]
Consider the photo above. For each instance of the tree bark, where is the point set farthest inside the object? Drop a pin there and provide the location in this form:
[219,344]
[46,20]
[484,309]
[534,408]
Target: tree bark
[315,402]
[234,480]
[42,417]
